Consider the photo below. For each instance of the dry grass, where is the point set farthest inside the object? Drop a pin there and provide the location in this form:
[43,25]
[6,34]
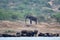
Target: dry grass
[13,27]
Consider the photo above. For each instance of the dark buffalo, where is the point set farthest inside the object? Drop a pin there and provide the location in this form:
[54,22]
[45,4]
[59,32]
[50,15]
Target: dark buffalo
[26,33]
[18,34]
[8,35]
[30,34]
[41,35]
[23,33]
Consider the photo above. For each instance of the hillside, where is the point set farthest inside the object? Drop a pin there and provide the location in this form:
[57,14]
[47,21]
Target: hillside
[21,8]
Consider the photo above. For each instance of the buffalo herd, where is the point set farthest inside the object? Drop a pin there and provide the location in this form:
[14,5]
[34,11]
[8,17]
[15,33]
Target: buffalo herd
[35,33]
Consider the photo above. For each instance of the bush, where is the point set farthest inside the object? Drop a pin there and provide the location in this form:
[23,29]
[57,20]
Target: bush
[57,17]
[14,17]
[41,18]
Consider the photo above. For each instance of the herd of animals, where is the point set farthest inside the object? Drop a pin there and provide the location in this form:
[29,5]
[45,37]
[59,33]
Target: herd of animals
[25,33]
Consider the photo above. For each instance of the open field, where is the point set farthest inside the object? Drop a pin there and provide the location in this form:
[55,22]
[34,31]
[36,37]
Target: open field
[10,27]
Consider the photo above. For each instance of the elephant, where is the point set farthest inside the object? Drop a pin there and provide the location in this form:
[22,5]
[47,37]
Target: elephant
[31,18]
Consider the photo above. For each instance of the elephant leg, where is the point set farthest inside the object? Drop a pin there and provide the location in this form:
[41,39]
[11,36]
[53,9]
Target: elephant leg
[36,22]
[30,21]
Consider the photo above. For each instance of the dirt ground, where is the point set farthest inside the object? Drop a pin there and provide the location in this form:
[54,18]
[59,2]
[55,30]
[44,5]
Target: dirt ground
[16,26]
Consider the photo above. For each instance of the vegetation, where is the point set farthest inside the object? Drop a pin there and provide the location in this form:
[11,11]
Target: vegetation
[57,17]
[18,9]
